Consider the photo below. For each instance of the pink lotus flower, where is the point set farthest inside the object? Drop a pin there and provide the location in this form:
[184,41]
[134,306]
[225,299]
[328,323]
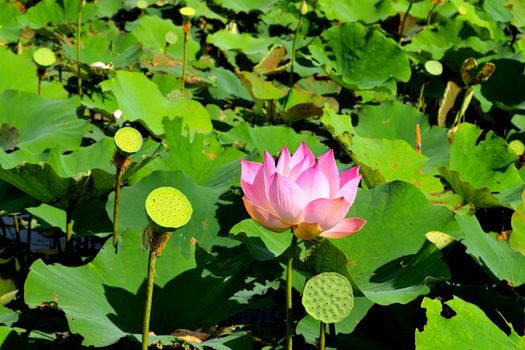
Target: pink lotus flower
[305,194]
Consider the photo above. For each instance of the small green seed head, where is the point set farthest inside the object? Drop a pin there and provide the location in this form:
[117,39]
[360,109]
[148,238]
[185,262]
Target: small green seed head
[44,57]
[142,4]
[328,297]
[517,147]
[168,209]
[171,37]
[434,67]
[128,140]
[187,12]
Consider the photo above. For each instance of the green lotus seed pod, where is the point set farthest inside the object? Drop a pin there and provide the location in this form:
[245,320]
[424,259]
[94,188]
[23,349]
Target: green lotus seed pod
[168,208]
[44,57]
[434,67]
[171,37]
[128,140]
[517,147]
[328,297]
[187,12]
[141,4]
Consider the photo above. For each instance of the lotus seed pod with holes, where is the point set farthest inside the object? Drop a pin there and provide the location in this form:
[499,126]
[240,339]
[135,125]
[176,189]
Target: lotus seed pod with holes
[187,12]
[128,140]
[168,208]
[44,57]
[328,297]
[517,147]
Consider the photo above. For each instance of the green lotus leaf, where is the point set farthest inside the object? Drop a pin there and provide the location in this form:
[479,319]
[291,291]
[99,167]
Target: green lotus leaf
[151,31]
[263,244]
[42,122]
[383,160]
[486,163]
[495,255]
[65,180]
[355,10]
[22,76]
[360,58]
[389,258]
[140,100]
[246,5]
[517,238]
[201,158]
[271,139]
[10,28]
[253,47]
[477,331]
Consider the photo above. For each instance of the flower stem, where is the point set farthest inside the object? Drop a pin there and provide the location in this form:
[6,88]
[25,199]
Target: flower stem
[289,318]
[292,60]
[69,229]
[403,21]
[322,336]
[152,260]
[16,223]
[116,205]
[184,54]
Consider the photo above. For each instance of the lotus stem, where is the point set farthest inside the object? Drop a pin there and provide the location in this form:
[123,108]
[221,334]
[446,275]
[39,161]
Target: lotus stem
[292,59]
[28,256]
[116,206]
[69,228]
[322,336]
[186,29]
[152,260]
[79,28]
[289,276]
[403,21]
[16,224]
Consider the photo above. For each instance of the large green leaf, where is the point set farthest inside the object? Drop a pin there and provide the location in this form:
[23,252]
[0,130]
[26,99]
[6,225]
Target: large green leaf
[114,285]
[253,47]
[396,120]
[202,158]
[381,255]
[486,163]
[42,122]
[263,244]
[246,5]
[495,255]
[151,31]
[361,58]
[469,328]
[271,139]
[382,160]
[10,28]
[517,238]
[140,99]
[452,33]
[355,10]
[65,180]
